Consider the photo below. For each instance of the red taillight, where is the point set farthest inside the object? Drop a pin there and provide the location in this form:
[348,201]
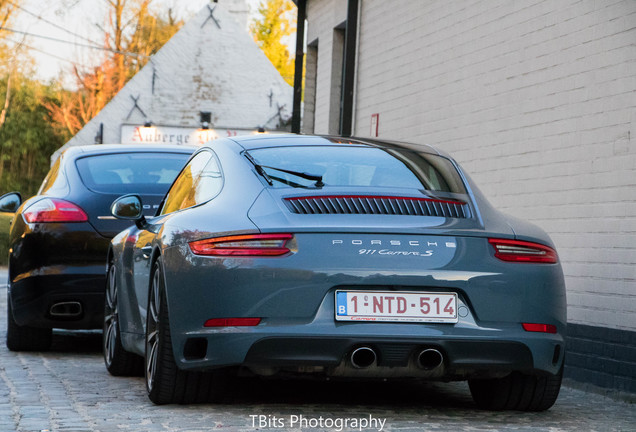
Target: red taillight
[232,322]
[522,251]
[243,245]
[540,328]
[54,210]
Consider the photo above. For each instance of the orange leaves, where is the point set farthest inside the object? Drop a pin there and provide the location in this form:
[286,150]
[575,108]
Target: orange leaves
[134,32]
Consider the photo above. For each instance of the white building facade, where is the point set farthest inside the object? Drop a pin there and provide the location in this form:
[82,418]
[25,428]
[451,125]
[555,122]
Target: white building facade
[209,80]
[537,100]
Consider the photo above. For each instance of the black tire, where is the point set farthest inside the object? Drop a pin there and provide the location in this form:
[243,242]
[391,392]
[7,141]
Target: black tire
[118,361]
[165,382]
[24,338]
[517,391]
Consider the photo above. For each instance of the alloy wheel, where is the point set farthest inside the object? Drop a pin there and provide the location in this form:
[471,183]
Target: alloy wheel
[152,332]
[111,318]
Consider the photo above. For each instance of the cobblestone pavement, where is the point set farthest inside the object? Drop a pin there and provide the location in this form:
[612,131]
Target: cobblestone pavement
[68,389]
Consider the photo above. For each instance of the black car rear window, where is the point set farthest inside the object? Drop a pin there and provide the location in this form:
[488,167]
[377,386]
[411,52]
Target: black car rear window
[359,166]
[139,172]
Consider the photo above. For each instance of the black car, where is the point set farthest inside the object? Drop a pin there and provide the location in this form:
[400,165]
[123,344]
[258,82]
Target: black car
[59,238]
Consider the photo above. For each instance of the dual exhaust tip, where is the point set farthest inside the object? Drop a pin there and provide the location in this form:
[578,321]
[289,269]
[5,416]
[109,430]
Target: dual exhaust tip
[427,359]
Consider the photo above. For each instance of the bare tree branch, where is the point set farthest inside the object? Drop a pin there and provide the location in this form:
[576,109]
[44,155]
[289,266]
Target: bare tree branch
[3,114]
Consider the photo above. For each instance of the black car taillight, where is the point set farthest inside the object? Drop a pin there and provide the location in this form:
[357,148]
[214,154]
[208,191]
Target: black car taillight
[523,251]
[54,210]
[243,245]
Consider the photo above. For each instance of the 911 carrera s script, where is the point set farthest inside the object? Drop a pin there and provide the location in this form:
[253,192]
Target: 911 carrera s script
[436,251]
[388,252]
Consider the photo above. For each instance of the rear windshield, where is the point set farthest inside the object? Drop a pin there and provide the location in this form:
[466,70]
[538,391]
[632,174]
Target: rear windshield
[141,172]
[359,166]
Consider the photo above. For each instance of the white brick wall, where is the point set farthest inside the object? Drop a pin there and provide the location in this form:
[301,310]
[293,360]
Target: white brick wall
[536,99]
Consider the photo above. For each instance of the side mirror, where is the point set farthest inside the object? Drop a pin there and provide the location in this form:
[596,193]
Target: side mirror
[128,207]
[10,203]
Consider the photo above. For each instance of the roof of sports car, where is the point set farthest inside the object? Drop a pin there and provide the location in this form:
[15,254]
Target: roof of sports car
[250,142]
[75,151]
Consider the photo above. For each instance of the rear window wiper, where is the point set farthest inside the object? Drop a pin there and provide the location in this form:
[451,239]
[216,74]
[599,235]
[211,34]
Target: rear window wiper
[261,170]
[290,183]
[313,177]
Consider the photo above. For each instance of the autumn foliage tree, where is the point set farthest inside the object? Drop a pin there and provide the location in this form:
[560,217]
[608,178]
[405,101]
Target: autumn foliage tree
[6,9]
[26,136]
[7,65]
[133,32]
[276,22]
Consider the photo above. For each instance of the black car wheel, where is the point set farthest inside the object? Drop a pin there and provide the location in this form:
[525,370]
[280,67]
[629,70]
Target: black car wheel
[119,362]
[165,382]
[517,391]
[23,338]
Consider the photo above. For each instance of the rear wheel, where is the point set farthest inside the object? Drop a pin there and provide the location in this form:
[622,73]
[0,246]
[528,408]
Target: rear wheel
[165,382]
[24,338]
[517,391]
[118,361]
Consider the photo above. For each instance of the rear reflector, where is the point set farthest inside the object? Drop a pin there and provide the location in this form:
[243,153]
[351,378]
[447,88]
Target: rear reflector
[232,322]
[522,251]
[54,210]
[243,245]
[540,328]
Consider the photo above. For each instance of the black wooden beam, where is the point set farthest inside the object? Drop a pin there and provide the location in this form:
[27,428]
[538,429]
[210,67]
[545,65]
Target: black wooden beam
[298,71]
[346,121]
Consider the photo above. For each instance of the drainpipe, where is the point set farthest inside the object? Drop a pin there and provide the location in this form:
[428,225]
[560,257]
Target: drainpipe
[298,71]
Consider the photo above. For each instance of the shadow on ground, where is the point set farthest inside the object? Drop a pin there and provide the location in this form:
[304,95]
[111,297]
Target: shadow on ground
[290,392]
[77,342]
[368,393]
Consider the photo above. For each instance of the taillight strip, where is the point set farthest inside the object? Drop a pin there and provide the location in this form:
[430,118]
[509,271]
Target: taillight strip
[243,245]
[523,251]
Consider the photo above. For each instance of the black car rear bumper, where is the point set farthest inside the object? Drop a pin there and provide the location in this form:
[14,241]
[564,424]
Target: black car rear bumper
[60,265]
[68,297]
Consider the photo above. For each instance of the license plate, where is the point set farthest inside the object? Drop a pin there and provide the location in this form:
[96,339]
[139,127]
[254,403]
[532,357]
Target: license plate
[392,306]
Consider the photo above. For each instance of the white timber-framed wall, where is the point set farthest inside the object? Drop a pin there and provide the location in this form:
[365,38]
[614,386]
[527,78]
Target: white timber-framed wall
[536,99]
[209,80]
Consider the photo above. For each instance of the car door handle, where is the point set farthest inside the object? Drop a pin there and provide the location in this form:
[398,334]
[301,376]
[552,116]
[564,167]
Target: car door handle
[146,251]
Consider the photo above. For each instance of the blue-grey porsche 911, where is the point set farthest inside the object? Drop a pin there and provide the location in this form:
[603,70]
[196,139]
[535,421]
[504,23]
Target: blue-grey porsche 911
[332,258]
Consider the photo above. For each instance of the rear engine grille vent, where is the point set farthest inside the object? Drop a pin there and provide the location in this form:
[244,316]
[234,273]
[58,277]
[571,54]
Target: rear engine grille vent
[377,205]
